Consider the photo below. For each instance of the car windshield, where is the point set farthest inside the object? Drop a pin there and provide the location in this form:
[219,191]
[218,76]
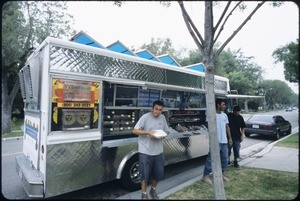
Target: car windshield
[263,118]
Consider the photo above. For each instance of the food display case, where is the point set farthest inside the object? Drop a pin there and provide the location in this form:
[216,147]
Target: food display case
[187,120]
[118,123]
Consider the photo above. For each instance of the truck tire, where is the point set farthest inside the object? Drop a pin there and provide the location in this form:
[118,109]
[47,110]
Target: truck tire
[130,178]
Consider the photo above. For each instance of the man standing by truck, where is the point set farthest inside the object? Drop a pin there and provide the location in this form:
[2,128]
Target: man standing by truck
[150,148]
[237,130]
[223,132]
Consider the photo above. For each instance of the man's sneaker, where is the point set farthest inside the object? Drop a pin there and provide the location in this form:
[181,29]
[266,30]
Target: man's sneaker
[225,179]
[229,162]
[235,164]
[144,196]
[206,179]
[153,194]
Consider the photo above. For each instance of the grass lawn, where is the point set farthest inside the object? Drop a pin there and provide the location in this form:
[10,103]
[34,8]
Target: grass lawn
[292,141]
[16,128]
[248,183]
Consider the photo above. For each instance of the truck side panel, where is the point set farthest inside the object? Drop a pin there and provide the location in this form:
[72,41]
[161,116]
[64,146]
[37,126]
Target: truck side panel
[73,166]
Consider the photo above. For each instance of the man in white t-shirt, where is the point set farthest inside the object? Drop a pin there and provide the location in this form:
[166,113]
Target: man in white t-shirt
[151,160]
[224,138]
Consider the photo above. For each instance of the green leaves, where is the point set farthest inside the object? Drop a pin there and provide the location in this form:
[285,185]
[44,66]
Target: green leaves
[289,55]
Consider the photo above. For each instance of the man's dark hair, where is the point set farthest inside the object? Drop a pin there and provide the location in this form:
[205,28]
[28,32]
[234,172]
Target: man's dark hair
[237,108]
[158,102]
[219,101]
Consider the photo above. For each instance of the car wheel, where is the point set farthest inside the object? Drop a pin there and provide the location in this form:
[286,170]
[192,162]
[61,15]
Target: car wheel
[277,135]
[289,131]
[247,134]
[131,174]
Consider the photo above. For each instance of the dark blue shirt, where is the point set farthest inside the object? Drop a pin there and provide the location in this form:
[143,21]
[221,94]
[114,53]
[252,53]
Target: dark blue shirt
[236,123]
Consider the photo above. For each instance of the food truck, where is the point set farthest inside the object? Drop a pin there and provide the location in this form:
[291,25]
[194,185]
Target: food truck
[81,104]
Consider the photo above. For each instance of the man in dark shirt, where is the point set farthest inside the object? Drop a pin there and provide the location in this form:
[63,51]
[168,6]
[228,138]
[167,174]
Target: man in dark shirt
[237,130]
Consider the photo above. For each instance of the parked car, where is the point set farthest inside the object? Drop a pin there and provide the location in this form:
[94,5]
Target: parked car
[263,124]
[288,109]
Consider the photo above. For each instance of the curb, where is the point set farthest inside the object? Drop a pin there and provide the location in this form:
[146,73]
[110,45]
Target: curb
[11,138]
[181,186]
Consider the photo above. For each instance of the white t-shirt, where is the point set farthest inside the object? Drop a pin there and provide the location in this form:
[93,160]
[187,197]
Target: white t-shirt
[146,144]
[221,121]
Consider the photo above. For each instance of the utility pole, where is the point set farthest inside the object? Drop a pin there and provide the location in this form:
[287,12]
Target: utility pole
[265,102]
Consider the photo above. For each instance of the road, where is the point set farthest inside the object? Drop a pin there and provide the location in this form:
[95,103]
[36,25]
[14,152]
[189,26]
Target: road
[12,187]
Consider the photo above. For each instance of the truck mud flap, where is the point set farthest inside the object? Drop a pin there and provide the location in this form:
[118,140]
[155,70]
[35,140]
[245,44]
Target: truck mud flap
[31,178]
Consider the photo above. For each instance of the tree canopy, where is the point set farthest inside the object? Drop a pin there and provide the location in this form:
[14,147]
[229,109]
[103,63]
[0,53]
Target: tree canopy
[289,55]
[25,24]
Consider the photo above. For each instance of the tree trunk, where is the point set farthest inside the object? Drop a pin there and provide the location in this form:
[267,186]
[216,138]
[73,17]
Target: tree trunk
[213,136]
[208,62]
[6,106]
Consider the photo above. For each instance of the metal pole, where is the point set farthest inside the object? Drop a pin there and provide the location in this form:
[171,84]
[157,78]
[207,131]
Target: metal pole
[265,102]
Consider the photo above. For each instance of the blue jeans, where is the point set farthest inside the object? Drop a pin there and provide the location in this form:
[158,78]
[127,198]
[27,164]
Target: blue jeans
[236,145]
[224,159]
[151,167]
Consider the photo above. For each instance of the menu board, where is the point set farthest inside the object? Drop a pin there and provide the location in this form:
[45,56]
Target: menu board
[147,97]
[77,91]
[75,104]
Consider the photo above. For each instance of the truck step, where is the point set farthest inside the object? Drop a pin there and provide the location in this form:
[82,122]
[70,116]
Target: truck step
[31,178]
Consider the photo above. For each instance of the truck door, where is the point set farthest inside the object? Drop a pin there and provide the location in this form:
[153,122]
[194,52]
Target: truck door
[31,140]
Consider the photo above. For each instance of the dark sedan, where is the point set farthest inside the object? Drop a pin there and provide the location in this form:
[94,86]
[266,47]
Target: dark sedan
[263,124]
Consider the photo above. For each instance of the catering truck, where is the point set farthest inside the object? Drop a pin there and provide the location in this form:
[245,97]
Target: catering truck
[81,104]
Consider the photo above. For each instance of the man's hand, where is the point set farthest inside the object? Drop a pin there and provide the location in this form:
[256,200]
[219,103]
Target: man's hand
[151,133]
[230,141]
[242,137]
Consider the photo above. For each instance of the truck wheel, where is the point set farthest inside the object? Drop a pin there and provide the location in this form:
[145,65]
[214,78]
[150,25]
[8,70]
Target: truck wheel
[131,174]
[247,134]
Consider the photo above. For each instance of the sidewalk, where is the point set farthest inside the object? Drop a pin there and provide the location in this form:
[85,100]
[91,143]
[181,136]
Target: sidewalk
[275,158]
[261,155]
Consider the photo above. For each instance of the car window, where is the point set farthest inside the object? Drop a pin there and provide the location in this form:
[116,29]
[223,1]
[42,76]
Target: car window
[263,118]
[280,119]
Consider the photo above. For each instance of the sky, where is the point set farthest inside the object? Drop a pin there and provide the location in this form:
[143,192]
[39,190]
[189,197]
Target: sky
[135,23]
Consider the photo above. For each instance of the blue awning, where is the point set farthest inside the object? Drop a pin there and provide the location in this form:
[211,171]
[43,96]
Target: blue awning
[84,38]
[146,55]
[197,67]
[120,47]
[167,59]
[117,46]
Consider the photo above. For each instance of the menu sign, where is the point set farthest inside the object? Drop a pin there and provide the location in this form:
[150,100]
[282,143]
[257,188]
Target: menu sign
[75,104]
[147,97]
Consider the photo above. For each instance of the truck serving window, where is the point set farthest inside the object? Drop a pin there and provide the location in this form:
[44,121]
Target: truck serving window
[126,96]
[197,100]
[170,98]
